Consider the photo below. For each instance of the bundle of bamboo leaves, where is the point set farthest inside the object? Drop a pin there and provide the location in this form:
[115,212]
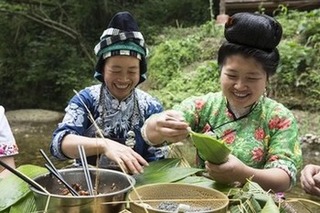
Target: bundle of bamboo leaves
[16,196]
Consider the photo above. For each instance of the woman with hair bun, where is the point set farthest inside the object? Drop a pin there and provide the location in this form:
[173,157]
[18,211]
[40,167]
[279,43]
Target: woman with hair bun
[261,132]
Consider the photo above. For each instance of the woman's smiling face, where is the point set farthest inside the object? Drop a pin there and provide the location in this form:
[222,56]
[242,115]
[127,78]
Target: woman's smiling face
[243,81]
[121,75]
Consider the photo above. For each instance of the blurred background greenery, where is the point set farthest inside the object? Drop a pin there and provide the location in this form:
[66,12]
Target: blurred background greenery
[46,50]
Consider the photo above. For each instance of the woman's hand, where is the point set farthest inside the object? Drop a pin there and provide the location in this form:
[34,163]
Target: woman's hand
[167,126]
[228,172]
[128,159]
[125,156]
[235,172]
[310,179]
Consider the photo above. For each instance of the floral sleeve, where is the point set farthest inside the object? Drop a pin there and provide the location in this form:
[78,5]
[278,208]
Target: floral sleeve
[8,146]
[197,110]
[284,146]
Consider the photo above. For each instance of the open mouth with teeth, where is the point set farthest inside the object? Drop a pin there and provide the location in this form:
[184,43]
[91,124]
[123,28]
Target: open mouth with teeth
[122,86]
[241,95]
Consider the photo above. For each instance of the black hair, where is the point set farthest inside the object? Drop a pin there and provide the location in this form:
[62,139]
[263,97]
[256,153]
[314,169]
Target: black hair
[252,35]
[268,60]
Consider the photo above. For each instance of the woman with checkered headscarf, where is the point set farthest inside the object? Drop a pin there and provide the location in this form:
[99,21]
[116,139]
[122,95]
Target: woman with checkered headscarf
[117,107]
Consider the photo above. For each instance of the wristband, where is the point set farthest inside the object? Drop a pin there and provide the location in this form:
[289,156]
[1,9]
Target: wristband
[144,134]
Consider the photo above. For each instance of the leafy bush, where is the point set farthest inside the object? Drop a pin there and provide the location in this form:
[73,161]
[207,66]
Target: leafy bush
[168,59]
[296,81]
[199,81]
[40,66]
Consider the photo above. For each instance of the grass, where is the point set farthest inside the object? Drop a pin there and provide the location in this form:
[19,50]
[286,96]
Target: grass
[309,122]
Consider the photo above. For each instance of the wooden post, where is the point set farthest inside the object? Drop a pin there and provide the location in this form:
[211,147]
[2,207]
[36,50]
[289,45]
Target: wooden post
[222,18]
[222,7]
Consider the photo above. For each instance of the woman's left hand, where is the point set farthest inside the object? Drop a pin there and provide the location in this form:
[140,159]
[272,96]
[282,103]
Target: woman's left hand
[310,179]
[228,172]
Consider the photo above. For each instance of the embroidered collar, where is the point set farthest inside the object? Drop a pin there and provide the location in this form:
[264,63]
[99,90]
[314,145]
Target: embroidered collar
[116,116]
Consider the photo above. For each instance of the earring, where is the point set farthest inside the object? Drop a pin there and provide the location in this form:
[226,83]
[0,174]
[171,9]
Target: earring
[265,93]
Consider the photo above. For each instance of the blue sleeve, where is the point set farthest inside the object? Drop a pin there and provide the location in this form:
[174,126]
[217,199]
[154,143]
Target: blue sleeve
[153,106]
[75,121]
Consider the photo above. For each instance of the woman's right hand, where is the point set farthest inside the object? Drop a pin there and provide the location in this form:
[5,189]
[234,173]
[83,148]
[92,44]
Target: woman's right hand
[126,157]
[169,126]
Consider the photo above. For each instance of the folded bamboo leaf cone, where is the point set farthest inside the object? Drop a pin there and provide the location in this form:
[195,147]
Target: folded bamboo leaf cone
[209,148]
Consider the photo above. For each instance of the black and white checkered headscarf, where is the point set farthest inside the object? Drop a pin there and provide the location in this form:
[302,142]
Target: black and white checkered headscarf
[122,37]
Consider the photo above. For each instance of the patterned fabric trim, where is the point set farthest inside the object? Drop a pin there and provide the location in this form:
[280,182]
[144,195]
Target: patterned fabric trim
[114,31]
[8,150]
[114,36]
[122,52]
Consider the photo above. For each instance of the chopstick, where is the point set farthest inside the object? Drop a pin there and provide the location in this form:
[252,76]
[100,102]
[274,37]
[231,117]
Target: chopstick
[49,161]
[85,168]
[59,177]
[24,177]
[56,173]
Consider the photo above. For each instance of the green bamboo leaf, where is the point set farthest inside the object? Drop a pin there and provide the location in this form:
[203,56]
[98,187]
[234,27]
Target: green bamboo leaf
[163,164]
[270,207]
[235,209]
[165,176]
[252,198]
[210,148]
[13,189]
[165,170]
[199,181]
[27,204]
[259,194]
[244,202]
[5,211]
[205,182]
[254,187]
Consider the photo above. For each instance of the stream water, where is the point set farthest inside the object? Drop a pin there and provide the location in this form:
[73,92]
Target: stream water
[32,136]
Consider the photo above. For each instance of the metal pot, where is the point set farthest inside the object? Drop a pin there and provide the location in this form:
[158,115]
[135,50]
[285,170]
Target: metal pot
[112,186]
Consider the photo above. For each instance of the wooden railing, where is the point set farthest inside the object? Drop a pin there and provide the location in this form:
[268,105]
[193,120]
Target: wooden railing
[232,6]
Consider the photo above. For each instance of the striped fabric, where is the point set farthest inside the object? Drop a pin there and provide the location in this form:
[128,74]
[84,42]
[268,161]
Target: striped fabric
[112,35]
[121,52]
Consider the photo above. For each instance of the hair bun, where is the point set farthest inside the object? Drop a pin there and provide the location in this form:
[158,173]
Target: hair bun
[254,30]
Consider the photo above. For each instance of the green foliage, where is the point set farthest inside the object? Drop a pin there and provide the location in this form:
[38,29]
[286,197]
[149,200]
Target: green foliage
[173,12]
[297,78]
[40,69]
[292,65]
[298,75]
[169,57]
[201,80]
[207,77]
[46,50]
[174,69]
[46,47]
